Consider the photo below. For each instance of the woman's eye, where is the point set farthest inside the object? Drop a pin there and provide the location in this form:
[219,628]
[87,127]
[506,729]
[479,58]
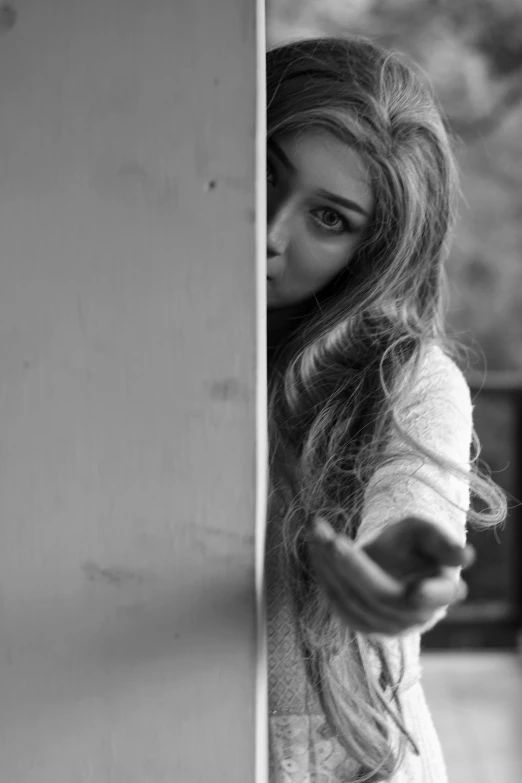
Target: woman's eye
[330,220]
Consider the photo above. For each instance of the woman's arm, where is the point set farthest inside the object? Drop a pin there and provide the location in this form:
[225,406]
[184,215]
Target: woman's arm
[414,518]
[438,415]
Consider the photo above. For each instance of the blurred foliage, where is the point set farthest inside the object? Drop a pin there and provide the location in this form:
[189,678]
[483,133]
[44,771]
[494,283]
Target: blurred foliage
[471,51]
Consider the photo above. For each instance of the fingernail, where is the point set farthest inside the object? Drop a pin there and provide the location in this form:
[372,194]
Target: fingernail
[324,530]
[462,591]
[469,556]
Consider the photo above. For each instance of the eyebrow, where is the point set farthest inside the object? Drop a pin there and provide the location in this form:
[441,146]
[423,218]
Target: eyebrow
[353,206]
[347,203]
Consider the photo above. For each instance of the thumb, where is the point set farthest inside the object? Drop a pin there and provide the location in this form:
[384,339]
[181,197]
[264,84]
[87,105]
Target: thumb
[437,545]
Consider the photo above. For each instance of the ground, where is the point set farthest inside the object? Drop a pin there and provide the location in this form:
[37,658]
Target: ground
[476,703]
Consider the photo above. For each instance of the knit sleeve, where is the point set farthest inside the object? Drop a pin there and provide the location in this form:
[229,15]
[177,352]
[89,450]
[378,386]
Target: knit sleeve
[437,415]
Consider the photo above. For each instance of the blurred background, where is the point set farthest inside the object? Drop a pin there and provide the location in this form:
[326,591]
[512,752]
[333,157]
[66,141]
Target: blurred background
[471,51]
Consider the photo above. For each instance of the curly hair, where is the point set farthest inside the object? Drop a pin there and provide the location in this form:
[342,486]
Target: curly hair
[337,383]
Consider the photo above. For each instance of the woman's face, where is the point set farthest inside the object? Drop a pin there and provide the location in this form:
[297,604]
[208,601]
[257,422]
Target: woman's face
[319,203]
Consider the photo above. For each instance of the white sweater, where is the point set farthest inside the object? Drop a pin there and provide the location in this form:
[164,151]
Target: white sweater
[439,415]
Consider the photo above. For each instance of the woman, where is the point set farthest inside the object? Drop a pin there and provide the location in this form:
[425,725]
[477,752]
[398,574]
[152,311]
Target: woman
[370,422]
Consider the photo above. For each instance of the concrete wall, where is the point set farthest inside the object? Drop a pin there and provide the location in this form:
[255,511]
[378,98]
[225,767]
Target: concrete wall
[127,391]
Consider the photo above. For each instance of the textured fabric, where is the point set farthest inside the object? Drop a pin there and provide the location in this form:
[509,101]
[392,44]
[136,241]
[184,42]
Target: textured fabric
[302,749]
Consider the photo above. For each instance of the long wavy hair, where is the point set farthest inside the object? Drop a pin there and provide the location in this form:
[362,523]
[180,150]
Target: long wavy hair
[337,384]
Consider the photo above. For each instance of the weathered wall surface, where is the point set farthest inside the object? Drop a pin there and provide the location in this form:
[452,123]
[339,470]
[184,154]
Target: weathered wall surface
[127,391]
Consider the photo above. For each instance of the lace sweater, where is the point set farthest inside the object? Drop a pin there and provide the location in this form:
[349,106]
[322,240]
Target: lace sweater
[302,748]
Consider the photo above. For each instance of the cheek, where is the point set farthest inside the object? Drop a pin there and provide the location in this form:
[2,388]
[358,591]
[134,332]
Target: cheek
[319,261]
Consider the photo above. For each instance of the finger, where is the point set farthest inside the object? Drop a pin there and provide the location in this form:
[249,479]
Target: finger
[361,565]
[350,600]
[370,624]
[338,572]
[470,556]
[438,592]
[323,530]
[359,620]
[354,598]
[436,544]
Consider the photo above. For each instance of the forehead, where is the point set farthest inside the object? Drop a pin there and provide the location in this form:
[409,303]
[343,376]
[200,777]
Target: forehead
[322,161]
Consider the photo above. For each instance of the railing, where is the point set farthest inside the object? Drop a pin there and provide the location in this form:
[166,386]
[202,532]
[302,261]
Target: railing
[491,616]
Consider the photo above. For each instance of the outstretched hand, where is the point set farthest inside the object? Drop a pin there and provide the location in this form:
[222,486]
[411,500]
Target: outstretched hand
[393,583]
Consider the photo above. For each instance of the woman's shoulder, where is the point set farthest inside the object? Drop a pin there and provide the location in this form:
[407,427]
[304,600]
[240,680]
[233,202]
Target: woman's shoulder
[440,378]
[439,396]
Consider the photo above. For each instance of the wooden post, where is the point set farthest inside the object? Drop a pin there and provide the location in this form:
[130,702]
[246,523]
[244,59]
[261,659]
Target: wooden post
[128,369]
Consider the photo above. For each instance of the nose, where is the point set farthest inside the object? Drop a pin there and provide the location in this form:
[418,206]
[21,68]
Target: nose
[278,229]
